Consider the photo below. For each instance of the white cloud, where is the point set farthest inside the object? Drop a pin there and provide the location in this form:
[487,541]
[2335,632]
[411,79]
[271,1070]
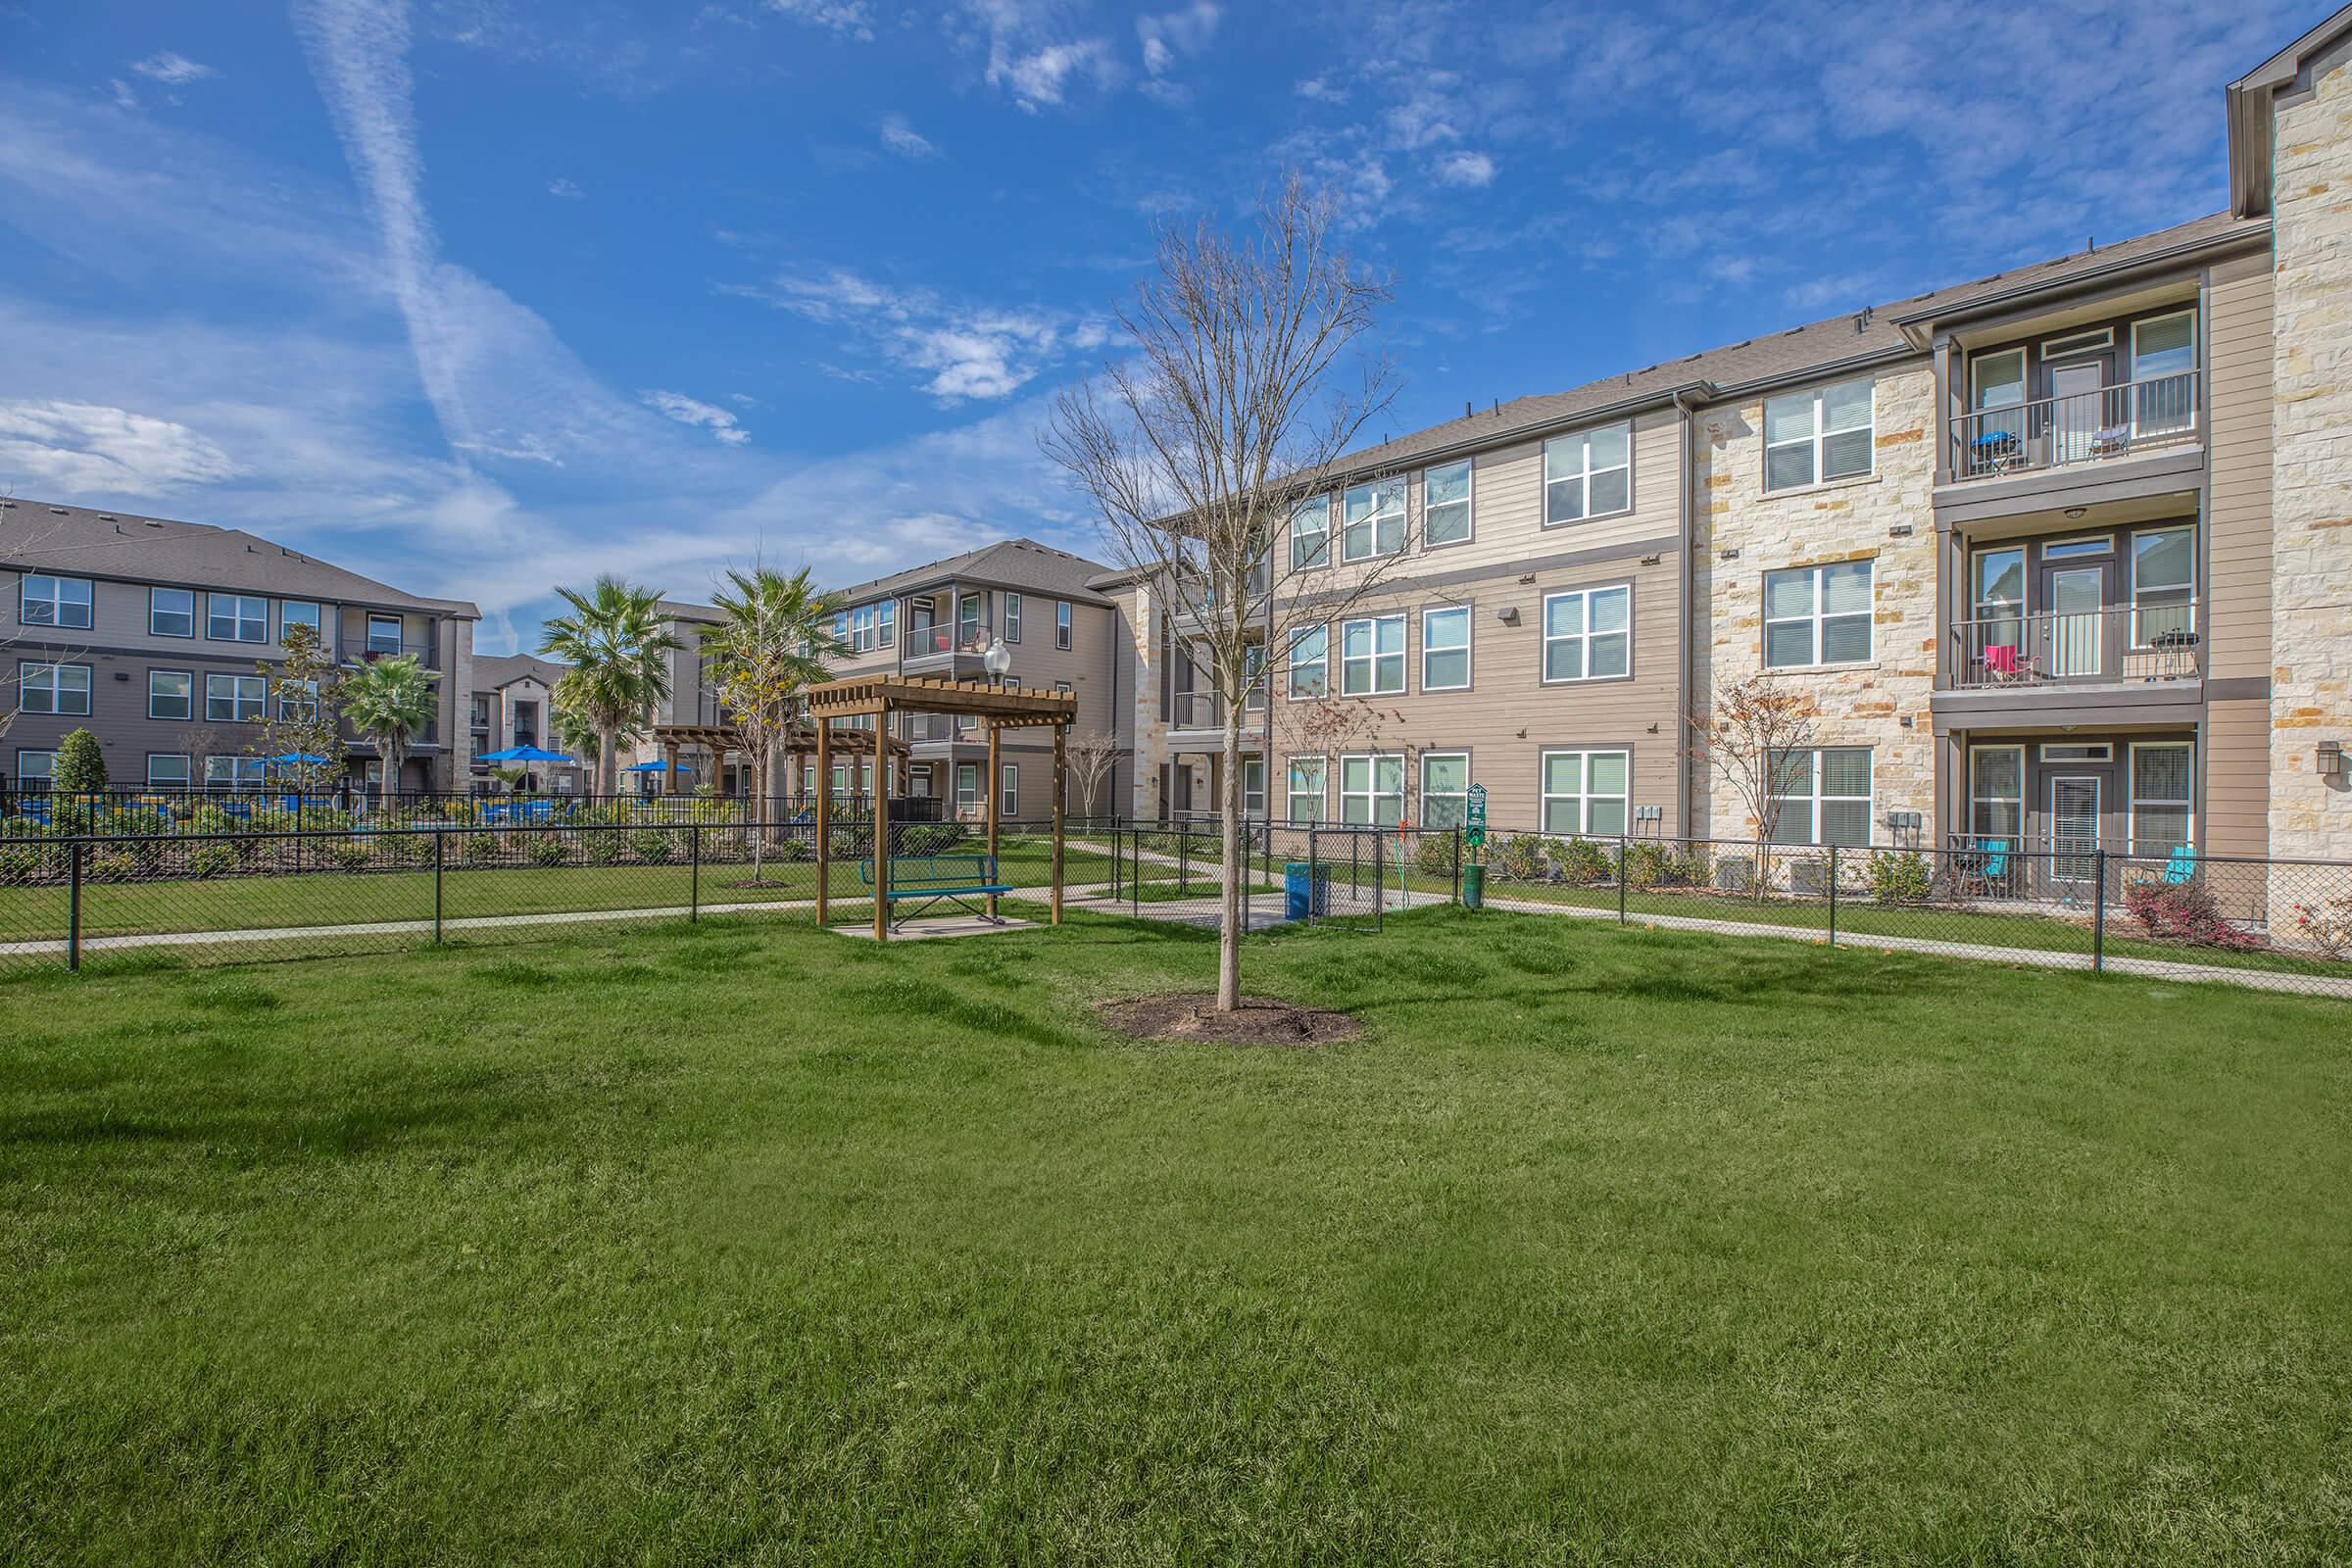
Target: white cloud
[75,448]
[172,70]
[901,137]
[849,16]
[1470,169]
[568,189]
[1030,58]
[1315,89]
[125,98]
[678,406]
[965,351]
[1184,32]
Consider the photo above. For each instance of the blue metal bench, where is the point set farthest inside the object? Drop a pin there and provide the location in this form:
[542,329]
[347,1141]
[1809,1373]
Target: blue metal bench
[938,879]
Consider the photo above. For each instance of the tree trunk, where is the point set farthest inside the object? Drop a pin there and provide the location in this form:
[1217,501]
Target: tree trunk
[1229,860]
[391,779]
[608,762]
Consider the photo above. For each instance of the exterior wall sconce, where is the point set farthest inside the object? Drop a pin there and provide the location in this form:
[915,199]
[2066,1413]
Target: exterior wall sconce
[1508,615]
[1901,530]
[1727,555]
[2331,760]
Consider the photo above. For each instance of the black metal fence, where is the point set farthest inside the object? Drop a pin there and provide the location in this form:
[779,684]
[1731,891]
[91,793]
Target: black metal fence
[126,812]
[1304,872]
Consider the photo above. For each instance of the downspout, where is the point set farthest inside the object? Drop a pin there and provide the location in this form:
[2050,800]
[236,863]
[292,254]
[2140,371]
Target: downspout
[1684,653]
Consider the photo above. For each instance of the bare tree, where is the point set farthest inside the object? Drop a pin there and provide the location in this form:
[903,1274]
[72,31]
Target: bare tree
[1751,738]
[1241,380]
[1094,756]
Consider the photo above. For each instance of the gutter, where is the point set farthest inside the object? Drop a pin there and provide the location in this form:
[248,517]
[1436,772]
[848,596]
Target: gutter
[1683,791]
[1913,325]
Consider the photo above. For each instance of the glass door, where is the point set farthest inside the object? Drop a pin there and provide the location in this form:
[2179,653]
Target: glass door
[2073,827]
[2077,597]
[1996,642]
[2077,408]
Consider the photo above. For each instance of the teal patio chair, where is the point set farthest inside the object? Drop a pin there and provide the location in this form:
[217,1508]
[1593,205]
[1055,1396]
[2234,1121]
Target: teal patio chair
[2180,867]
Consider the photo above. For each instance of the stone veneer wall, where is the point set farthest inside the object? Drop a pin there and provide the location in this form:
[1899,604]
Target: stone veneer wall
[2311,591]
[1151,745]
[1858,705]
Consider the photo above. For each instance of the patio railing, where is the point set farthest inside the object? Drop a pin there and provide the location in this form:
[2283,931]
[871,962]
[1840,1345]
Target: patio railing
[2079,427]
[2114,642]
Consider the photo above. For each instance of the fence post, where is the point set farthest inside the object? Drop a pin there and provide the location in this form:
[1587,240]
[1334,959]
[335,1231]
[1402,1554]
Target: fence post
[2098,917]
[440,838]
[73,855]
[1314,873]
[694,874]
[1458,865]
[1833,895]
[1622,879]
[1184,860]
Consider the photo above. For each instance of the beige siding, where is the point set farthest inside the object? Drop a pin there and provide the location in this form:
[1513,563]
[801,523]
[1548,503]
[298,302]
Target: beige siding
[2238,546]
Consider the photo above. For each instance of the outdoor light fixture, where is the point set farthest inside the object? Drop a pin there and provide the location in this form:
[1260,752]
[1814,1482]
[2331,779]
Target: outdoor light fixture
[2076,512]
[997,661]
[2332,759]
[1508,615]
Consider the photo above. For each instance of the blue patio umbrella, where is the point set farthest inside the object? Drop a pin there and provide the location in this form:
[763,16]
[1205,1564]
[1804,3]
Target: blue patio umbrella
[298,758]
[528,754]
[657,765]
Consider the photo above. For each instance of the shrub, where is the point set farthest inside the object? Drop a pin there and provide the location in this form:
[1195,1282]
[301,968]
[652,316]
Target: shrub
[26,862]
[210,859]
[482,848]
[1900,877]
[601,848]
[1518,858]
[1653,865]
[931,838]
[79,766]
[1582,861]
[352,854]
[2184,912]
[795,848]
[1434,855]
[2326,926]
[111,865]
[654,846]
[547,849]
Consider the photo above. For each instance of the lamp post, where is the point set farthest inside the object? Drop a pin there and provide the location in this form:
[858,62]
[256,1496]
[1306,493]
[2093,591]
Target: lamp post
[997,662]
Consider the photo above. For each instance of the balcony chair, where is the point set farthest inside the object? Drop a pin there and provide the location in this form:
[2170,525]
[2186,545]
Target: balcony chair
[2003,661]
[1986,869]
[1994,452]
[2111,441]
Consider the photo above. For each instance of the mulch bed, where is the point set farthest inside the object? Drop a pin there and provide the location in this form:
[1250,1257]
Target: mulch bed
[1193,1015]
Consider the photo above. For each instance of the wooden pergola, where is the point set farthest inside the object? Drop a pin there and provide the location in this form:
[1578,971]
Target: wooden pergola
[879,696]
[800,742]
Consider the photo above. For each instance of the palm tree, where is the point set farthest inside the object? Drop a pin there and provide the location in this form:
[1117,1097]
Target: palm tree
[618,651]
[773,636]
[389,700]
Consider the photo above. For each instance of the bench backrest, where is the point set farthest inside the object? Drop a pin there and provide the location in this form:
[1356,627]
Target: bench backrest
[914,873]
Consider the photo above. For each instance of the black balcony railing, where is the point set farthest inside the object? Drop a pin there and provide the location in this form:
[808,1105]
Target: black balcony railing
[2079,428]
[2062,648]
[961,637]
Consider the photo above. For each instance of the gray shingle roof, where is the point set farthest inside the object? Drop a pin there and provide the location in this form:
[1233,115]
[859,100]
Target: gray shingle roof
[1022,565]
[81,541]
[502,669]
[1864,335]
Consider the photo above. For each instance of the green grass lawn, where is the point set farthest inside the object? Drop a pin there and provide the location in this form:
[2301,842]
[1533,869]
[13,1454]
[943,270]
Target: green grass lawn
[746,1242]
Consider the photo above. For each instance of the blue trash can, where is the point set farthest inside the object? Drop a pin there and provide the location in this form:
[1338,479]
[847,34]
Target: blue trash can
[1305,890]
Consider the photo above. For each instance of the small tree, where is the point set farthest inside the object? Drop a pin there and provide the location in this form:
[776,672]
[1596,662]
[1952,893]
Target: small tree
[773,636]
[307,719]
[614,640]
[79,767]
[1750,738]
[391,700]
[1093,758]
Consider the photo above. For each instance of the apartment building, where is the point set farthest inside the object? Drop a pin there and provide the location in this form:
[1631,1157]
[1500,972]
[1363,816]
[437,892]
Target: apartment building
[2060,557]
[513,697]
[155,635]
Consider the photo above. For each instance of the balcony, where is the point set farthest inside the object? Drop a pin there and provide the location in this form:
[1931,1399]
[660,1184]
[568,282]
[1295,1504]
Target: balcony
[373,649]
[947,649]
[1195,723]
[2115,646]
[2076,430]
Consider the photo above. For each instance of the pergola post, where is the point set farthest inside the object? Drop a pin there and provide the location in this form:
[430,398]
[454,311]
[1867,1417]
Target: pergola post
[996,803]
[669,767]
[824,816]
[881,826]
[1062,730]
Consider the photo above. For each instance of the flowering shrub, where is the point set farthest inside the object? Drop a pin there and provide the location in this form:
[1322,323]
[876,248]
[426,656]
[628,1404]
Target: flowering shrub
[1901,878]
[2326,926]
[2184,911]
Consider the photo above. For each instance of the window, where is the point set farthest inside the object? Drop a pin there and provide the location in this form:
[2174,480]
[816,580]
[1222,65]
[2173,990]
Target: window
[171,611]
[2076,548]
[1998,579]
[2160,797]
[236,618]
[886,625]
[1445,503]
[1372,656]
[1375,520]
[234,698]
[1996,794]
[1310,534]
[1253,788]
[33,769]
[2164,345]
[383,635]
[2097,337]
[862,630]
[299,613]
[1062,688]
[170,694]
[46,601]
[237,772]
[1444,788]
[2164,584]
[1823,797]
[54,688]
[1997,381]
[298,701]
[1587,635]
[1585,793]
[968,800]
[1012,618]
[1811,437]
[2077,752]
[167,770]
[1009,790]
[1306,789]
[482,712]
[1817,615]
[1372,790]
[1061,623]
[1446,649]
[1588,475]
[1310,662]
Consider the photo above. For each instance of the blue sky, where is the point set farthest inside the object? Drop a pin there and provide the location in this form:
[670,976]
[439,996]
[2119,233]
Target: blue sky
[484,295]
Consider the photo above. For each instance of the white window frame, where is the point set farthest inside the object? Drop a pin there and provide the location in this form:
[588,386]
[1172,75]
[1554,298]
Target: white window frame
[1815,799]
[298,701]
[1012,618]
[1461,795]
[237,619]
[234,774]
[48,763]
[1816,617]
[2195,354]
[155,611]
[1318,554]
[1584,474]
[886,625]
[1379,494]
[1320,767]
[1321,664]
[1583,795]
[1373,658]
[1462,648]
[2131,576]
[2076,751]
[317,623]
[1977,795]
[400,635]
[1064,631]
[57,601]
[237,699]
[969,802]
[52,681]
[1008,791]
[1372,795]
[2132,800]
[1817,398]
[187,771]
[190,697]
[1468,504]
[1584,635]
[1253,767]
